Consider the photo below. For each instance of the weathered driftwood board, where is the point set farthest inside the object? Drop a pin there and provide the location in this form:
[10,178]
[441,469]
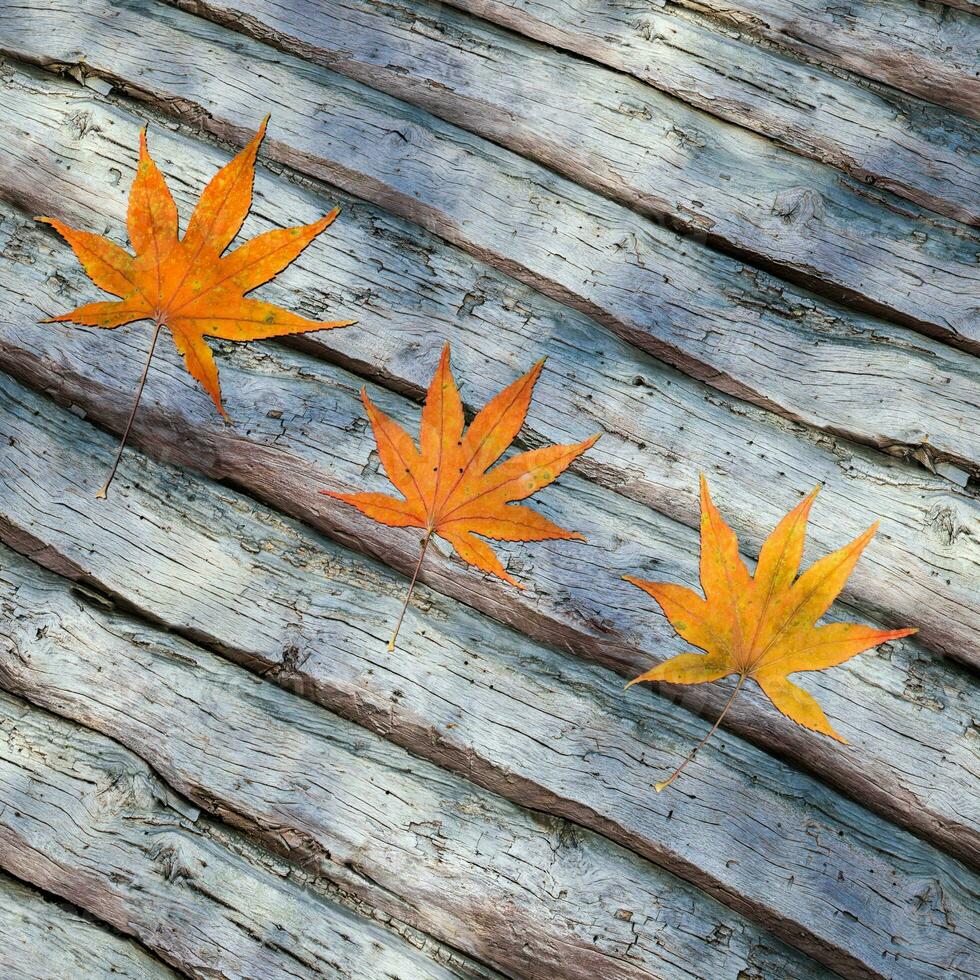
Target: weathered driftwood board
[310,635]
[88,820]
[660,428]
[923,48]
[873,133]
[43,938]
[209,767]
[742,194]
[515,887]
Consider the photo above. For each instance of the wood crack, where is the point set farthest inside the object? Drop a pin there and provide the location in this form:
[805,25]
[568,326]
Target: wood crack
[436,74]
[194,893]
[603,626]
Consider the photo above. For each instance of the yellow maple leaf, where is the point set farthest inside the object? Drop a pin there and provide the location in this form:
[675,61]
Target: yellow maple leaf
[762,627]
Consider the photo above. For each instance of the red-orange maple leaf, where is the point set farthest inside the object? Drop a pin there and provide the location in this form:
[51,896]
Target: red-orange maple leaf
[446,483]
[762,627]
[186,284]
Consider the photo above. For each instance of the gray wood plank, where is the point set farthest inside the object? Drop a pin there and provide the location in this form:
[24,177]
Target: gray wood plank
[411,294]
[719,320]
[317,437]
[513,716]
[41,939]
[85,819]
[537,895]
[616,136]
[924,48]
[871,132]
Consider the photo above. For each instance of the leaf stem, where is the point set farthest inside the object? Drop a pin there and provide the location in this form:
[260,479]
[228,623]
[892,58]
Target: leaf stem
[411,588]
[101,495]
[662,786]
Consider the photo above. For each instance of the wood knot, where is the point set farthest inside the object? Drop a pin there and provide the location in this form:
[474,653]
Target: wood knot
[798,205]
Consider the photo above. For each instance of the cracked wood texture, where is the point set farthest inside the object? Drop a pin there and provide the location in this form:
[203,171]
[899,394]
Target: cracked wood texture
[871,132]
[708,313]
[312,617]
[527,891]
[927,711]
[745,237]
[923,48]
[647,151]
[89,821]
[45,938]
[659,426]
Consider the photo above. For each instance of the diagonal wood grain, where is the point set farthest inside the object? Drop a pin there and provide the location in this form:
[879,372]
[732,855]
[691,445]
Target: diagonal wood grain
[285,457]
[871,132]
[41,938]
[84,818]
[536,895]
[512,716]
[411,295]
[565,762]
[742,195]
[719,320]
[924,48]
[900,706]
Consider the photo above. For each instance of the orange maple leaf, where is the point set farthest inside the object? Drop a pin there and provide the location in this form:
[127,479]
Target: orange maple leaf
[764,626]
[186,284]
[445,482]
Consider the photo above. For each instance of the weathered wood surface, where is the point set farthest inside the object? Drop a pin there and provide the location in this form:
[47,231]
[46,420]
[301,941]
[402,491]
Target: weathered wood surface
[742,194]
[735,327]
[84,818]
[533,894]
[410,295]
[897,706]
[41,939]
[285,459]
[924,48]
[310,759]
[514,717]
[871,132]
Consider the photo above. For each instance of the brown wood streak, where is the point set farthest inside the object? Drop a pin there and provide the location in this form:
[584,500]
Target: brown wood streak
[723,322]
[968,5]
[43,938]
[875,134]
[709,180]
[315,437]
[533,894]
